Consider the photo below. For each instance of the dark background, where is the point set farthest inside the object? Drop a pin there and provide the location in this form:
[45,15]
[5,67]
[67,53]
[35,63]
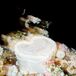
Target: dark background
[63,19]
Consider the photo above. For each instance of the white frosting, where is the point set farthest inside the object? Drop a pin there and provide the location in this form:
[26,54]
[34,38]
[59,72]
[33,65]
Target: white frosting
[32,54]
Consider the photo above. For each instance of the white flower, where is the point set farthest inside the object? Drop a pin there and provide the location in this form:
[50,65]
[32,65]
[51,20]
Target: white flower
[34,19]
[60,54]
[19,74]
[58,72]
[12,71]
[1,50]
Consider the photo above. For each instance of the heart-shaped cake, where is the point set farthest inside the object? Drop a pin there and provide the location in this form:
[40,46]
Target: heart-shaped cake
[31,54]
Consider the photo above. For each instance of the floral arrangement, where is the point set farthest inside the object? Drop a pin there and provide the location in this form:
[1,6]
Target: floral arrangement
[61,63]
